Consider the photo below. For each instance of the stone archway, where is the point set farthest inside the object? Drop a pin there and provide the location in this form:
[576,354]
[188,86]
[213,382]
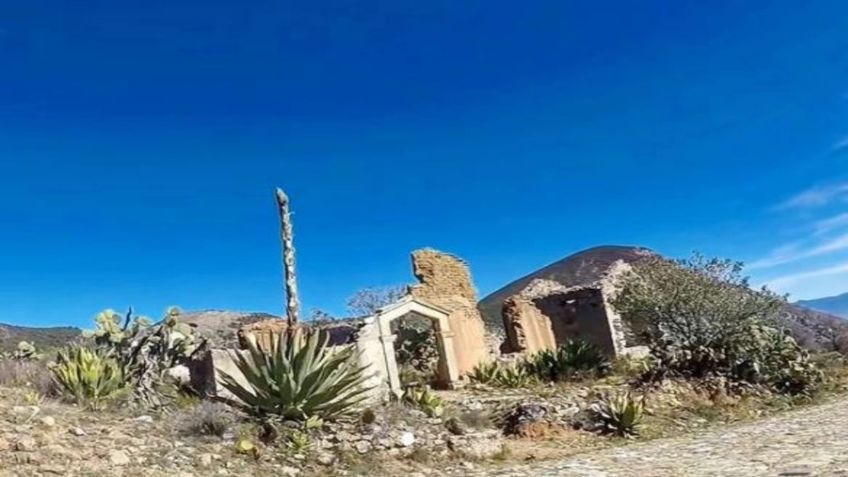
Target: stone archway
[448,371]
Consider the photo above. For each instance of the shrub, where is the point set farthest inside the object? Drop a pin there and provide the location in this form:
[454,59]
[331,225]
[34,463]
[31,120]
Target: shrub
[30,374]
[700,319]
[300,377]
[87,376]
[425,400]
[619,414]
[146,351]
[206,419]
[415,349]
[570,359]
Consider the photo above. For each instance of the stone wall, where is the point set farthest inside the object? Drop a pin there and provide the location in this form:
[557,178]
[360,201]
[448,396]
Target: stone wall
[546,314]
[445,280]
[527,329]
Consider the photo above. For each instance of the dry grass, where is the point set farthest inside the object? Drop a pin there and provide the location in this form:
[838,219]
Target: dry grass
[33,375]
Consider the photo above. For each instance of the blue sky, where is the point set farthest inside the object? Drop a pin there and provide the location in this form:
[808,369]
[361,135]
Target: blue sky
[140,143]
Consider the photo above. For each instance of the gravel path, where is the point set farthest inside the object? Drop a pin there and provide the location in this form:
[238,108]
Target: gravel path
[807,442]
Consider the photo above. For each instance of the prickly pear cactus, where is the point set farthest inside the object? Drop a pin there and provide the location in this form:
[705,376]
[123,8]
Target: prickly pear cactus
[146,351]
[25,352]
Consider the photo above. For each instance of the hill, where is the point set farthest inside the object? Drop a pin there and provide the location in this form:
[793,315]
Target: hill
[42,338]
[814,329]
[835,305]
[581,268]
[221,327]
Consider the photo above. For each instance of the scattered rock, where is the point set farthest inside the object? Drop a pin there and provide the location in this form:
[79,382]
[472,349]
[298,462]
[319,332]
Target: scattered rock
[476,446]
[47,421]
[326,458]
[363,447]
[518,420]
[26,444]
[289,471]
[4,445]
[406,439]
[205,459]
[77,431]
[145,419]
[119,457]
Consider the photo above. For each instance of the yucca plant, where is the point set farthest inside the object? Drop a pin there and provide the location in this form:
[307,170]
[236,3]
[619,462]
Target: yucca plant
[515,376]
[88,377]
[619,414]
[572,358]
[425,400]
[485,373]
[298,378]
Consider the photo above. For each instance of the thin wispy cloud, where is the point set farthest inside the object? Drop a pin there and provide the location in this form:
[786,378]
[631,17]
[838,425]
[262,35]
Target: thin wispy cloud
[816,197]
[830,224]
[840,145]
[796,251]
[794,278]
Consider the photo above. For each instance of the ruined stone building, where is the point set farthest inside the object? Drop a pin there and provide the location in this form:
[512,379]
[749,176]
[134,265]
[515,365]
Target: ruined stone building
[445,296]
[570,299]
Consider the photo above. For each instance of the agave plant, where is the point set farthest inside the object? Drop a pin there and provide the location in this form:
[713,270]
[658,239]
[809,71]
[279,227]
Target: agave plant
[298,378]
[87,376]
[515,376]
[571,358]
[619,414]
[485,373]
[425,400]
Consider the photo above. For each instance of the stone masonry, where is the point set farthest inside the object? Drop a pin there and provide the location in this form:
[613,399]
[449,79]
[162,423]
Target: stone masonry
[445,280]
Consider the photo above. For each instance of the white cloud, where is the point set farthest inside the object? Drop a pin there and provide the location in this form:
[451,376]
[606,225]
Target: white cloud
[830,224]
[794,251]
[784,281]
[816,197]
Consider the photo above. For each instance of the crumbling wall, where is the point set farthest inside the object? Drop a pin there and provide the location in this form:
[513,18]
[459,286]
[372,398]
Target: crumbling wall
[527,329]
[579,314]
[445,280]
[546,314]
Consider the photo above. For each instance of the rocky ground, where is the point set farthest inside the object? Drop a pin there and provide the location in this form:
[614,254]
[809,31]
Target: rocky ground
[726,437]
[806,442]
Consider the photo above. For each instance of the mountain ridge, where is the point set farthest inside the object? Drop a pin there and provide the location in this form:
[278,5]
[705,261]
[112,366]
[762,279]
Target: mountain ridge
[834,305]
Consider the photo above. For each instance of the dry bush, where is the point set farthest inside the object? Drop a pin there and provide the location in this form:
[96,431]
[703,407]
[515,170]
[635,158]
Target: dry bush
[30,374]
[207,419]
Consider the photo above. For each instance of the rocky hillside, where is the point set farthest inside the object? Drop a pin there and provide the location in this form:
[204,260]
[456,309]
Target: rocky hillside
[43,338]
[835,305]
[221,327]
[812,328]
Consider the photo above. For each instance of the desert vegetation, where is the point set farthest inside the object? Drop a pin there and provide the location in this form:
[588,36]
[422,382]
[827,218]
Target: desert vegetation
[715,354]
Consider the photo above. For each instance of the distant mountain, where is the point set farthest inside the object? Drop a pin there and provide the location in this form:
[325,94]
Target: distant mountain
[835,305]
[42,338]
[814,329]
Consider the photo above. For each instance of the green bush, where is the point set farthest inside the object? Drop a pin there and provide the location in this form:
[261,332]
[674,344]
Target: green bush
[619,414]
[573,358]
[87,376]
[701,319]
[299,377]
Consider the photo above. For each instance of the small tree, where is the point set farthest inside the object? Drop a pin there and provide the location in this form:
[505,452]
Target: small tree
[368,300]
[700,318]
